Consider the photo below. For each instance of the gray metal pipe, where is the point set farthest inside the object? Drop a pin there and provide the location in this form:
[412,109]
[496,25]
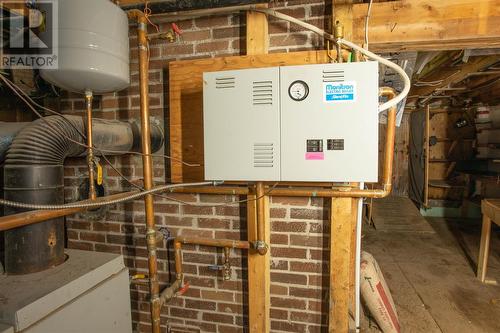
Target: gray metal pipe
[8,131]
[34,173]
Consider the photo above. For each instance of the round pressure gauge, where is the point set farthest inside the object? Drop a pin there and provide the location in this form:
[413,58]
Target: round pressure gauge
[298,90]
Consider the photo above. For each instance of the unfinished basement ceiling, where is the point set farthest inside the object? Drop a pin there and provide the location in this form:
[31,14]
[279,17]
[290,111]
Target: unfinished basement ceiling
[166,6]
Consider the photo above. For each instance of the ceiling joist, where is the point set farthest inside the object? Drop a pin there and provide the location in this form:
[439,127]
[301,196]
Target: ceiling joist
[418,25]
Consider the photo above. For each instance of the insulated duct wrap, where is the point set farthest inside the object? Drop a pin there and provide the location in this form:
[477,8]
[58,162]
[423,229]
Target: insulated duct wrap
[34,173]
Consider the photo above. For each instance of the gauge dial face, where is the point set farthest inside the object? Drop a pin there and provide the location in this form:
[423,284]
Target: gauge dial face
[298,90]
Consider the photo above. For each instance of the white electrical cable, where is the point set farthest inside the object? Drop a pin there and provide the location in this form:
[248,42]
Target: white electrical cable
[390,64]
[371,55]
[357,270]
[289,18]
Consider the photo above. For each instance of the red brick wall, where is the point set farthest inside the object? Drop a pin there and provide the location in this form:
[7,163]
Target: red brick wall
[298,243]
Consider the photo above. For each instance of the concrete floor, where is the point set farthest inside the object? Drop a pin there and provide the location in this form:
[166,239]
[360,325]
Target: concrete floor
[431,271]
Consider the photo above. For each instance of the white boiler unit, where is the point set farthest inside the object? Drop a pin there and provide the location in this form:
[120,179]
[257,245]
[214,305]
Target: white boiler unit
[292,123]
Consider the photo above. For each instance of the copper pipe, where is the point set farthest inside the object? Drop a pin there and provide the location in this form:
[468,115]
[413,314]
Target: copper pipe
[260,244]
[229,243]
[90,151]
[229,190]
[178,258]
[147,165]
[171,291]
[36,216]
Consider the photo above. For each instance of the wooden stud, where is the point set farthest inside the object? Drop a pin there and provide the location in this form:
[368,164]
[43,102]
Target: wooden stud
[484,249]
[340,256]
[257,32]
[352,261]
[342,12]
[259,274]
[427,156]
[259,266]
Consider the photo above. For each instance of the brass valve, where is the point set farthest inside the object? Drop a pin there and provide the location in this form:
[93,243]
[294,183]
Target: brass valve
[225,267]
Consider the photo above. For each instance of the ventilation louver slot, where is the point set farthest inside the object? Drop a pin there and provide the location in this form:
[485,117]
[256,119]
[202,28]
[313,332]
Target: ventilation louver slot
[263,155]
[333,76]
[225,82]
[262,93]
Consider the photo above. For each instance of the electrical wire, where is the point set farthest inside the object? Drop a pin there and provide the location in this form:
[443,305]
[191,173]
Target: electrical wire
[436,82]
[406,80]
[96,204]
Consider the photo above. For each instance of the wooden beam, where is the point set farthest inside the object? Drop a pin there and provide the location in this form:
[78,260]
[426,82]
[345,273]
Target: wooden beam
[452,75]
[259,274]
[165,6]
[342,12]
[257,33]
[340,268]
[418,25]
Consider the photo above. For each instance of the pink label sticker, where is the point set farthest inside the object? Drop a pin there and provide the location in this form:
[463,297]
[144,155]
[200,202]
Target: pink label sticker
[315,156]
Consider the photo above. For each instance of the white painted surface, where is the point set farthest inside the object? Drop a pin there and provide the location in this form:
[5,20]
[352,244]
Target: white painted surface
[93,47]
[87,293]
[242,138]
[233,123]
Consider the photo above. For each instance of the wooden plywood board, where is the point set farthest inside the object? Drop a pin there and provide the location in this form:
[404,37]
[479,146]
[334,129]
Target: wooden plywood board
[398,214]
[186,102]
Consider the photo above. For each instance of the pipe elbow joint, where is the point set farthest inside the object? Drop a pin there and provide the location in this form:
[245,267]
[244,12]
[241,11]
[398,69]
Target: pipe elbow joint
[261,247]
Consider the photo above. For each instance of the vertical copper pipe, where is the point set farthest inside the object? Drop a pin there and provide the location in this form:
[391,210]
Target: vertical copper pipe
[178,258]
[389,140]
[90,152]
[260,244]
[147,165]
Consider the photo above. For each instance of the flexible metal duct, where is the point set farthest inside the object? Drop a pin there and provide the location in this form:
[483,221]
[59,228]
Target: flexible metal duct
[34,173]
[8,131]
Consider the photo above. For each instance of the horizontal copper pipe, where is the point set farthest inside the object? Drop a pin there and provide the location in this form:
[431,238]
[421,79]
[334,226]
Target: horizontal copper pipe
[229,190]
[234,244]
[174,289]
[36,216]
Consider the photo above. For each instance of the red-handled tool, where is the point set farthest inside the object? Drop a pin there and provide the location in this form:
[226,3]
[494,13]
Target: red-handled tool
[176,29]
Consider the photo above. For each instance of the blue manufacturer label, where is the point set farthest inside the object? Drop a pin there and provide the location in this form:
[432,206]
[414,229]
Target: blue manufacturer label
[339,91]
